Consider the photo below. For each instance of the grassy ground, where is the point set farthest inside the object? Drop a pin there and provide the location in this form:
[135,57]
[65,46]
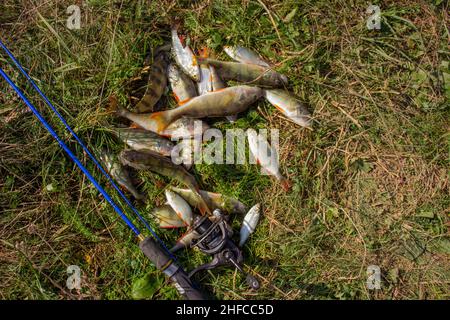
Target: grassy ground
[370,182]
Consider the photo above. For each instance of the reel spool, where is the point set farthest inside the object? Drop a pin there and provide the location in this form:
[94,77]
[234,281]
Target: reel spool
[214,238]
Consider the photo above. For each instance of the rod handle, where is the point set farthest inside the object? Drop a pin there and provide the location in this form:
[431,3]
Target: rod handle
[175,273]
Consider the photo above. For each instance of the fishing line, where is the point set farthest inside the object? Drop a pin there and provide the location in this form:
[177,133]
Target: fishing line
[47,101]
[70,153]
[80,142]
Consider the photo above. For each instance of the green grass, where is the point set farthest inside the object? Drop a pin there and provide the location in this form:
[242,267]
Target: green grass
[370,182]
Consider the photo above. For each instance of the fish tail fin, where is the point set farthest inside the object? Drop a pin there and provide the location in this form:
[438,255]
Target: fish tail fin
[112,103]
[203,207]
[134,125]
[113,106]
[201,60]
[286,184]
[158,121]
[203,52]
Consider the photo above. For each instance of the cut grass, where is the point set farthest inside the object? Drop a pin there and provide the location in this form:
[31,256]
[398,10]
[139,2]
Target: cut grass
[370,182]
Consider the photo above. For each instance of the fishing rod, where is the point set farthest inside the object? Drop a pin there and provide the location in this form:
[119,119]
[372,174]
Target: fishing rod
[81,143]
[158,254]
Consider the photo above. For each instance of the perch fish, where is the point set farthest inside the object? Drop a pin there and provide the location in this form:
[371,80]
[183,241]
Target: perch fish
[153,161]
[249,73]
[157,83]
[140,139]
[225,102]
[214,200]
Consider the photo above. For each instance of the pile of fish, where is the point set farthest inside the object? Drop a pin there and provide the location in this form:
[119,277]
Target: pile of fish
[199,88]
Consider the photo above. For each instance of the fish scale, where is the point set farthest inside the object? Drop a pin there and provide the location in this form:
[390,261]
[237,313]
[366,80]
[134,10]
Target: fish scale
[184,57]
[249,73]
[218,84]
[214,200]
[167,218]
[183,87]
[289,105]
[244,55]
[140,139]
[120,174]
[225,102]
[157,82]
[153,161]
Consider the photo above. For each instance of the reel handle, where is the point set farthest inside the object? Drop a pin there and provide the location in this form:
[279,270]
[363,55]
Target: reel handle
[175,273]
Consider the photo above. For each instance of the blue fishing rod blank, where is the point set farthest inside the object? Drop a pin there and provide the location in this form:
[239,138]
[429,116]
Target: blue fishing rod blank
[85,148]
[157,253]
[70,153]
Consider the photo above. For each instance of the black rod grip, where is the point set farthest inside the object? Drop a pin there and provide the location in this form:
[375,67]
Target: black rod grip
[176,274]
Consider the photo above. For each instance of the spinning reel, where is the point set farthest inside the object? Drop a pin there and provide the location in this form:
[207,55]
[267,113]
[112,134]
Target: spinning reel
[212,236]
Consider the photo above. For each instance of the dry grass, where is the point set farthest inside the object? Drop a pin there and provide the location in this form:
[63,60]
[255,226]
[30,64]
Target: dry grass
[370,182]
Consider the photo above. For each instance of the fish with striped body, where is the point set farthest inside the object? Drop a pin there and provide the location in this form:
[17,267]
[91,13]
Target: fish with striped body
[141,140]
[155,162]
[213,200]
[225,102]
[249,73]
[119,173]
[184,152]
[157,83]
[180,128]
[218,84]
[185,128]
